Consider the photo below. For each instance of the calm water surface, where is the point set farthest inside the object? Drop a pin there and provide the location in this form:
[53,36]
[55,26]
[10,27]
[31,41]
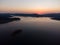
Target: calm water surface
[34,31]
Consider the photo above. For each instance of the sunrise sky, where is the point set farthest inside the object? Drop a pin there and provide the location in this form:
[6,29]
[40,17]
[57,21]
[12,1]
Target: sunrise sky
[30,6]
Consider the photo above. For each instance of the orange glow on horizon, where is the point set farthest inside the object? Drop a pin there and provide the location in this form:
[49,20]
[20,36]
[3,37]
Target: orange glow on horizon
[25,10]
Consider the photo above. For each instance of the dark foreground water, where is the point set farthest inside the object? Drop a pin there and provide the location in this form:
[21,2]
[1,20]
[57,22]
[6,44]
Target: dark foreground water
[33,31]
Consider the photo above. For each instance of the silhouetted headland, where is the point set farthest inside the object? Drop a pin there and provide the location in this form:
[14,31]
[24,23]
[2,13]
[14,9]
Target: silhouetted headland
[55,18]
[7,18]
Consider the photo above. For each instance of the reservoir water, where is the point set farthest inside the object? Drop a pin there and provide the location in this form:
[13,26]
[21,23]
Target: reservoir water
[34,31]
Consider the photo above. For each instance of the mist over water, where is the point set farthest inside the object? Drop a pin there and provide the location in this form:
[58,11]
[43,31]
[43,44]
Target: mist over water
[30,31]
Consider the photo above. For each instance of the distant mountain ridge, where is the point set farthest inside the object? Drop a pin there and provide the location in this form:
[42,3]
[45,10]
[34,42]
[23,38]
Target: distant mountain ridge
[30,15]
[5,17]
